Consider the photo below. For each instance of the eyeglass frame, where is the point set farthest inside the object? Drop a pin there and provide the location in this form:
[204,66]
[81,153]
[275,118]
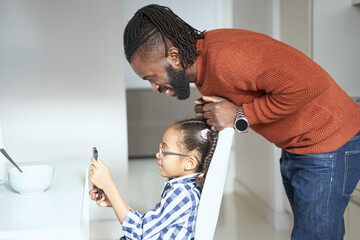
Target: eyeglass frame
[161,152]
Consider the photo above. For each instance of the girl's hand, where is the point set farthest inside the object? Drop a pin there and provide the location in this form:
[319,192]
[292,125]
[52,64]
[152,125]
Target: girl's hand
[99,174]
[103,202]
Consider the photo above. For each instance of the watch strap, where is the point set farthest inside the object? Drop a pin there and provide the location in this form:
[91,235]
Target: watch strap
[239,112]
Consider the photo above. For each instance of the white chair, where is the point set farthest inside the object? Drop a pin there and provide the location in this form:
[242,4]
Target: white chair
[1,141]
[211,196]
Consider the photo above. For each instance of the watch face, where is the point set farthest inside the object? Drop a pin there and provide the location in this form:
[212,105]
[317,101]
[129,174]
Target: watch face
[241,125]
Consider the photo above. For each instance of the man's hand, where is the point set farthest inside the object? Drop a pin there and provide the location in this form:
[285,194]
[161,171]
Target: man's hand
[199,105]
[218,112]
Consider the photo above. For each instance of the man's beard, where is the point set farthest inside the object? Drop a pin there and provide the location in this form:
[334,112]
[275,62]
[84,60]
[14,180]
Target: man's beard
[179,82]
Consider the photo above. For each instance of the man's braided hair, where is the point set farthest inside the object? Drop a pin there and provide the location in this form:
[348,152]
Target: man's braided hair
[191,139]
[153,19]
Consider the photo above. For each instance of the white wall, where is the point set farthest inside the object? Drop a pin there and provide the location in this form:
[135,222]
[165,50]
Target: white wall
[201,14]
[337,41]
[62,88]
[296,24]
[257,161]
[255,15]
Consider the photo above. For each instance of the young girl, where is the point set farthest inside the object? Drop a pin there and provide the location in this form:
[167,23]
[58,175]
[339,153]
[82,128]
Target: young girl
[184,156]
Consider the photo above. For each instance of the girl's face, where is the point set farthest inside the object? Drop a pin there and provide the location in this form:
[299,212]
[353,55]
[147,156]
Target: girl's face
[171,166]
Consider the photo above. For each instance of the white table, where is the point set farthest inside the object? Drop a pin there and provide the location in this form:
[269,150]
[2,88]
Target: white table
[61,212]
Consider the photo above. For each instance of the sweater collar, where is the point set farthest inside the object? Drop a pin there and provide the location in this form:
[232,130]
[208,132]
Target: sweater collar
[199,63]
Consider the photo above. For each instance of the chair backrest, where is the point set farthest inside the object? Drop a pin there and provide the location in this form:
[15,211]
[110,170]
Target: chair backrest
[1,139]
[211,196]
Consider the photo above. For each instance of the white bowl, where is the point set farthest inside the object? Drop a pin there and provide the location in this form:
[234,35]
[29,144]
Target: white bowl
[33,180]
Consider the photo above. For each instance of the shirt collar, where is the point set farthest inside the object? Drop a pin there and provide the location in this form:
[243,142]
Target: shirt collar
[188,179]
[183,180]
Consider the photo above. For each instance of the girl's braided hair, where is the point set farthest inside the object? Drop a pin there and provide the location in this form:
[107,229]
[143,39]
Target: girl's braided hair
[191,138]
[150,20]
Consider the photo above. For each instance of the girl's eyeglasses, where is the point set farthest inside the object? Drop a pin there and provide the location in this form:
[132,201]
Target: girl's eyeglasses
[173,153]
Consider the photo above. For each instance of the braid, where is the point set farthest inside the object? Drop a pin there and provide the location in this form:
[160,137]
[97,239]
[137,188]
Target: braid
[153,19]
[200,180]
[191,138]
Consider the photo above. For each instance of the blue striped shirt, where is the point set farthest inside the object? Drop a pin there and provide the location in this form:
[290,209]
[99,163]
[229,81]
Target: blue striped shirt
[172,218]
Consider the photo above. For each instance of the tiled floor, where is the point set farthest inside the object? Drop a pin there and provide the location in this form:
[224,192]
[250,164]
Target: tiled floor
[236,221]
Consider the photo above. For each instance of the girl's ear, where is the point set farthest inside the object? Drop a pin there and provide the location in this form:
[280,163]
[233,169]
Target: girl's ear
[190,164]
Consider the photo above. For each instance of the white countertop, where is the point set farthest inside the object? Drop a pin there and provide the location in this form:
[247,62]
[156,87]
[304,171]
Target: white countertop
[61,212]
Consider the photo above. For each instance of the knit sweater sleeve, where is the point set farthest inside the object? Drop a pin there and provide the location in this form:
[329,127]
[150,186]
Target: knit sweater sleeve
[287,78]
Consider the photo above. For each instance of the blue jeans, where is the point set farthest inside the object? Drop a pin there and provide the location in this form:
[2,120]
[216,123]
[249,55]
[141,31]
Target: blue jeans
[319,187]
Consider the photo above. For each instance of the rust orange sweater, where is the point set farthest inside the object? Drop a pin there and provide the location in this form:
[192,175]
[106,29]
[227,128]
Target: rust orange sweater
[286,96]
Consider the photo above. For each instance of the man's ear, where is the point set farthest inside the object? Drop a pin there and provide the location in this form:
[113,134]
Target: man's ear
[174,57]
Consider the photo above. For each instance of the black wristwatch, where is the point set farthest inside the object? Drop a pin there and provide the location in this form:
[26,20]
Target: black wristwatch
[241,124]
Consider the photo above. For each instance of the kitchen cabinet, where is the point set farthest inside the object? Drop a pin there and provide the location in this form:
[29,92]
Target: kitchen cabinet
[147,121]
[61,212]
[352,216]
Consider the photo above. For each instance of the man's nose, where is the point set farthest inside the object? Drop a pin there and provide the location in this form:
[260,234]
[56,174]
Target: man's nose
[154,86]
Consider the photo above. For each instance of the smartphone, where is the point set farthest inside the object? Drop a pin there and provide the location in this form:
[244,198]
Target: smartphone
[96,155]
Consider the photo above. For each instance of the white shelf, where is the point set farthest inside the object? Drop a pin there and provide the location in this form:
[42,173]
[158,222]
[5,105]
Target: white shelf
[61,212]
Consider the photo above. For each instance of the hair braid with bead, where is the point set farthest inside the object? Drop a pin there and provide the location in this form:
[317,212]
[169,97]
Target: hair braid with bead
[190,131]
[152,19]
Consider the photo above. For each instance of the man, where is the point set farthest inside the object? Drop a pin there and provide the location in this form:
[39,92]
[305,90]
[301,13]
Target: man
[251,80]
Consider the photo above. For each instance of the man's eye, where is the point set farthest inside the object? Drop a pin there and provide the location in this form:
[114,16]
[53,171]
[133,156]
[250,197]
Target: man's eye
[148,79]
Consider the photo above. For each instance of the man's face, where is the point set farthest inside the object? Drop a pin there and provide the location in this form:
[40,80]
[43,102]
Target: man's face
[162,76]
